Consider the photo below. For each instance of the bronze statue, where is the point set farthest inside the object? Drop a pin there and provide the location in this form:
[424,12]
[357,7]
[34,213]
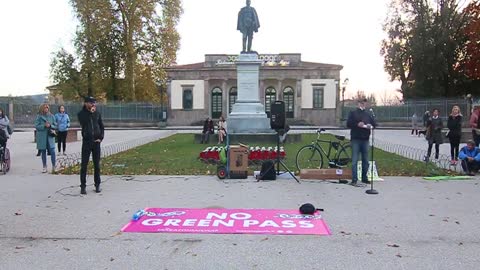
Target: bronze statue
[247,24]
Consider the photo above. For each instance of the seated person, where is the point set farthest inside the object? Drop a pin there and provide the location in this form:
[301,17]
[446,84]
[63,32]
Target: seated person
[470,157]
[207,129]
[222,129]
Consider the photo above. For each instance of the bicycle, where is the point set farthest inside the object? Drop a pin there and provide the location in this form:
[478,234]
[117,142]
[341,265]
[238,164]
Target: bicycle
[311,156]
[4,160]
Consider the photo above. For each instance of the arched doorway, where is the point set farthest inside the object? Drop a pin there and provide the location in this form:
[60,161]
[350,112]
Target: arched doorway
[288,98]
[270,97]
[216,102]
[232,98]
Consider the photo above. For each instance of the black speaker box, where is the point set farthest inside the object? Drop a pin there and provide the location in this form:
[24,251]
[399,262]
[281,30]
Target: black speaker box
[277,115]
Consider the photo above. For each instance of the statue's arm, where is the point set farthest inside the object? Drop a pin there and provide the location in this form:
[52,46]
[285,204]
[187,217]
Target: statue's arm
[256,18]
[238,20]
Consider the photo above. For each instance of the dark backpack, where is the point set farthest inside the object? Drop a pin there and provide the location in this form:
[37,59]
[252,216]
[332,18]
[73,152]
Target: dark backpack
[3,136]
[268,171]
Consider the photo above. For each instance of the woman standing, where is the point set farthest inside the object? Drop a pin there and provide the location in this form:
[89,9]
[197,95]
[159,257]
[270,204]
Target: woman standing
[63,123]
[4,122]
[454,125]
[434,134]
[222,129]
[45,125]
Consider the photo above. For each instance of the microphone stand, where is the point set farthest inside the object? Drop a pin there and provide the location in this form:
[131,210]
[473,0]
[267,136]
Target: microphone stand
[372,191]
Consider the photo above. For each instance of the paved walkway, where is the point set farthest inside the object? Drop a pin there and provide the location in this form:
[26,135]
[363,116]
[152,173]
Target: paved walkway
[411,224]
[413,147]
[23,149]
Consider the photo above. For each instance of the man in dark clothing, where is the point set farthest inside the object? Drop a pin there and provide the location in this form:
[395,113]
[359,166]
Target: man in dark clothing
[92,134]
[360,123]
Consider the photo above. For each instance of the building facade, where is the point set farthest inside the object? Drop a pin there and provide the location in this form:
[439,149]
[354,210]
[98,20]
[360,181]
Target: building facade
[209,89]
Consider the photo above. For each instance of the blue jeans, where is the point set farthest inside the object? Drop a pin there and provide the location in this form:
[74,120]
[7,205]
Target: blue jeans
[44,157]
[359,146]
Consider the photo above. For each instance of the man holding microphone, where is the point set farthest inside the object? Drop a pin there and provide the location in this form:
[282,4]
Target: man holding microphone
[360,122]
[92,135]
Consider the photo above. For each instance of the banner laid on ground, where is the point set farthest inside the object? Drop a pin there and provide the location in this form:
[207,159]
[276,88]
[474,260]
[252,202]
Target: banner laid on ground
[227,221]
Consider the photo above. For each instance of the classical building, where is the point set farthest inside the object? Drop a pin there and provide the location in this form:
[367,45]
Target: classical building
[209,89]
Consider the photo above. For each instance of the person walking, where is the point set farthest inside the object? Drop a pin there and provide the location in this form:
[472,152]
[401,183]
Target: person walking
[360,124]
[45,126]
[92,135]
[414,125]
[434,134]
[454,134]
[63,123]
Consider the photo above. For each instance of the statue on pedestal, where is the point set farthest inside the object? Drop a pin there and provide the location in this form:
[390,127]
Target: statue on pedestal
[247,24]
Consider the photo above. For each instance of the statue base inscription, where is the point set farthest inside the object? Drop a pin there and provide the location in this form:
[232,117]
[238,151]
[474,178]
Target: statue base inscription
[248,113]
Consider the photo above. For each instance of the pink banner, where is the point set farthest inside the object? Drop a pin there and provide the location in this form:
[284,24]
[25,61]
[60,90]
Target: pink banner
[227,221]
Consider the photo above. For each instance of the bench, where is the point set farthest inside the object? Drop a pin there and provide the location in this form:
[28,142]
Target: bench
[72,135]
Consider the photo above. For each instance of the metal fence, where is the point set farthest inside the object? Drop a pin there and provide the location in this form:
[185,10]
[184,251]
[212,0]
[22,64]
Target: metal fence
[405,111]
[122,112]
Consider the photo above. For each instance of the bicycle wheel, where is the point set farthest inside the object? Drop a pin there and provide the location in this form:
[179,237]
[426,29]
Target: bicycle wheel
[3,164]
[309,157]
[7,158]
[344,156]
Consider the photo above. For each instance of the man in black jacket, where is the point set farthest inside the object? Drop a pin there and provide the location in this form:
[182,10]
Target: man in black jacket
[92,134]
[360,123]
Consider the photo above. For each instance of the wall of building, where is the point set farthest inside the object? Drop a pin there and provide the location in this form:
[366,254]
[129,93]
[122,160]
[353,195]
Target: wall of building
[319,117]
[329,94]
[176,94]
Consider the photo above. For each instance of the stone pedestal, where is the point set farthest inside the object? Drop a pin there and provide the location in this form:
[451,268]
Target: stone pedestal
[248,113]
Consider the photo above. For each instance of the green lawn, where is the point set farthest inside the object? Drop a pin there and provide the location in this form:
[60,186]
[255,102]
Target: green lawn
[178,155]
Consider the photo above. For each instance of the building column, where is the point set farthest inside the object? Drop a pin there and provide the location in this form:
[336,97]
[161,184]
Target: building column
[261,92]
[298,100]
[280,90]
[224,98]
[207,98]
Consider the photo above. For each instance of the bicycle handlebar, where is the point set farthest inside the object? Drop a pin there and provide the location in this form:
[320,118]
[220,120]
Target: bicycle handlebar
[320,130]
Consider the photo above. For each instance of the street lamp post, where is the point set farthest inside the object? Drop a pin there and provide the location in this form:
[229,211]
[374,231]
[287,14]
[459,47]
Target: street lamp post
[344,87]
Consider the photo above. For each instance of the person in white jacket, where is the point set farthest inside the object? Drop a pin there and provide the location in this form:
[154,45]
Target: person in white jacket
[222,129]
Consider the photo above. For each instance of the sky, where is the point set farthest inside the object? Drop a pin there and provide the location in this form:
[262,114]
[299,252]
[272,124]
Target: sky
[344,32]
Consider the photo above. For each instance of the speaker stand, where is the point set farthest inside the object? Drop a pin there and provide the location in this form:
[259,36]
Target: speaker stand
[280,162]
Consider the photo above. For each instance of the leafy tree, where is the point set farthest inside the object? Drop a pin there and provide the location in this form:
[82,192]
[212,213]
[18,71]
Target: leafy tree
[424,45]
[64,72]
[149,38]
[471,62]
[121,43]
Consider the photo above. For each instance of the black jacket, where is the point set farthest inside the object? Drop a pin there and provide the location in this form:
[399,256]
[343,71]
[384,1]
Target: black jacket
[454,124]
[92,125]
[355,117]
